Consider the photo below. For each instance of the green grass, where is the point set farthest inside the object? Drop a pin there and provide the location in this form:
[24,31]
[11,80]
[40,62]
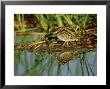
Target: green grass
[46,21]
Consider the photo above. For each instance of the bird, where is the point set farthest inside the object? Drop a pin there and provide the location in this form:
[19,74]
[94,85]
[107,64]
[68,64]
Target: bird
[66,56]
[66,34]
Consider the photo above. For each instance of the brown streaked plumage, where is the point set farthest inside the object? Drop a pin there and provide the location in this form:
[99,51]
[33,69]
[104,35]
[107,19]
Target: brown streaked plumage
[65,34]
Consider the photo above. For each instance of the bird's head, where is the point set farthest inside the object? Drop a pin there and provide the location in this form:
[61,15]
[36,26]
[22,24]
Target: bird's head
[53,31]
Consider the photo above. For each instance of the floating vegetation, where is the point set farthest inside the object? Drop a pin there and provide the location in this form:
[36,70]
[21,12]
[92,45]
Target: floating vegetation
[55,44]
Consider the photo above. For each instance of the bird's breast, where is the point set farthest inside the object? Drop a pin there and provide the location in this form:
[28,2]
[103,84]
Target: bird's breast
[66,36]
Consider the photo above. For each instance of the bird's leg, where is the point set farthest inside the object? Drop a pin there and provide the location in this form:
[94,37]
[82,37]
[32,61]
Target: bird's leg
[66,43]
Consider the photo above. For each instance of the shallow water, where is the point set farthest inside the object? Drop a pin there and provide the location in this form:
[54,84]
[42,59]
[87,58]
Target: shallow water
[28,63]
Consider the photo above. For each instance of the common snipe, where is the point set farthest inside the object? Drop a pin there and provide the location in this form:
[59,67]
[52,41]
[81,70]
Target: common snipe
[65,34]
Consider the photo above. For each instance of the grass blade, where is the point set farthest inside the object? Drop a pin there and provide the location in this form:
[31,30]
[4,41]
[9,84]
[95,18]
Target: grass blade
[59,69]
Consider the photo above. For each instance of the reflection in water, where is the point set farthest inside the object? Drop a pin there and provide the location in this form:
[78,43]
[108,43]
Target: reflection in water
[46,63]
